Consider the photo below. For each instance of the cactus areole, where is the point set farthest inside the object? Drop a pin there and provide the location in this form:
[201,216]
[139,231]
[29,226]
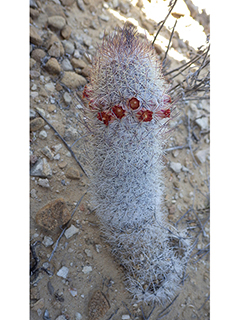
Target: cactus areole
[127,110]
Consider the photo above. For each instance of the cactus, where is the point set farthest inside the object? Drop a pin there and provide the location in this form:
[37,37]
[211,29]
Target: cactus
[127,113]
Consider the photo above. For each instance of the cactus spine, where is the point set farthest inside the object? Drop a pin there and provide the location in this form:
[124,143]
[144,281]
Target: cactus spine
[128,111]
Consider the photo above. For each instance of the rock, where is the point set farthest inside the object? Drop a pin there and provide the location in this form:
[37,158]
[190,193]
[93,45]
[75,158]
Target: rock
[104,17]
[202,155]
[57,147]
[54,39]
[47,241]
[38,305]
[73,80]
[172,209]
[33,159]
[44,183]
[80,5]
[50,86]
[67,2]
[42,134]
[124,7]
[72,173]
[34,74]
[71,134]
[68,46]
[46,315]
[78,316]
[63,272]
[202,123]
[176,167]
[86,269]
[125,317]
[88,253]
[148,26]
[36,124]
[175,43]
[86,71]
[56,22]
[47,152]
[66,32]
[53,215]
[62,164]
[32,63]
[78,63]
[41,111]
[73,292]
[66,65]
[71,231]
[54,9]
[98,306]
[34,13]
[61,318]
[67,98]
[98,247]
[52,66]
[55,50]
[35,37]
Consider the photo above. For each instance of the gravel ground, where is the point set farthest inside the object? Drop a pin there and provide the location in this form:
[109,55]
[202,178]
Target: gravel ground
[82,274]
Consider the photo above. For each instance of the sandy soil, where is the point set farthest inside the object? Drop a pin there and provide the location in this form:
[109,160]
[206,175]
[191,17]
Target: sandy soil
[51,295]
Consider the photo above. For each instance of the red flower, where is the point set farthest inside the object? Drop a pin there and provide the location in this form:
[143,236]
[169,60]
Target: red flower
[167,99]
[86,92]
[105,117]
[118,111]
[144,115]
[163,113]
[134,103]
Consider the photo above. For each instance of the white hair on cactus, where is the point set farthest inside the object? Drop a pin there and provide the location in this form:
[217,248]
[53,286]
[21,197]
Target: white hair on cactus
[128,112]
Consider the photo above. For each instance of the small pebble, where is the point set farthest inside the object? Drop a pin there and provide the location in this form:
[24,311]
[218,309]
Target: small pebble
[78,316]
[63,272]
[176,167]
[87,269]
[42,134]
[67,98]
[44,183]
[71,231]
[47,152]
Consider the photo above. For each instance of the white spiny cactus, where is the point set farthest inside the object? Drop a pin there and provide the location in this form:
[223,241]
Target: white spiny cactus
[128,111]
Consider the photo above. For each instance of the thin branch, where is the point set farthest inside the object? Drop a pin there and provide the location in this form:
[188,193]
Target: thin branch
[162,22]
[65,228]
[64,141]
[169,42]
[161,313]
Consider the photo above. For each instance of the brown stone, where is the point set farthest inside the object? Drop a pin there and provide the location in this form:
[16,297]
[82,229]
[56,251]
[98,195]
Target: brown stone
[38,305]
[36,124]
[73,80]
[54,39]
[34,13]
[51,108]
[78,63]
[67,2]
[52,66]
[66,32]
[62,164]
[86,71]
[54,9]
[56,22]
[53,215]
[38,54]
[35,37]
[98,306]
[72,173]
